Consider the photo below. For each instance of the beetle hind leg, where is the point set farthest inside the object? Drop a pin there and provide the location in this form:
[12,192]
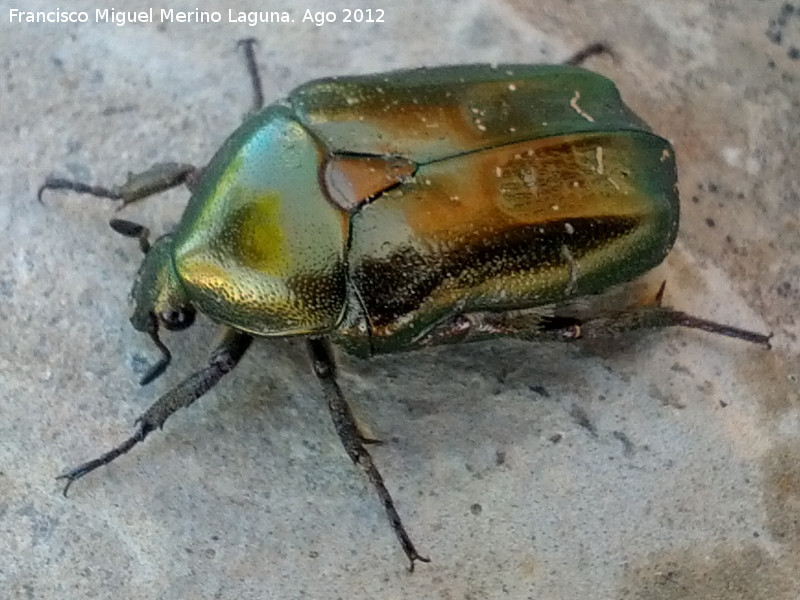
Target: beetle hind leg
[548,324]
[353,441]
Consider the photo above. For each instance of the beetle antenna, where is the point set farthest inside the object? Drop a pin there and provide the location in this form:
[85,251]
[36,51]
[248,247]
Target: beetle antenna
[132,230]
[157,369]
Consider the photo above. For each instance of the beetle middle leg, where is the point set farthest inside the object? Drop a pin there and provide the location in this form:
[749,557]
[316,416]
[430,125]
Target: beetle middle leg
[353,441]
[223,359]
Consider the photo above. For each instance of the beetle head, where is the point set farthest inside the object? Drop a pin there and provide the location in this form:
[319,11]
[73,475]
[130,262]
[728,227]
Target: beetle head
[160,300]
[158,292]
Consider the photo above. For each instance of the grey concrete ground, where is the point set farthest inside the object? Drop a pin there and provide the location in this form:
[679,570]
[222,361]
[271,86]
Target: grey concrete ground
[662,467]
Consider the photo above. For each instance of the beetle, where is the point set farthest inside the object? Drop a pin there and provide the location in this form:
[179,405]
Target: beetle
[392,212]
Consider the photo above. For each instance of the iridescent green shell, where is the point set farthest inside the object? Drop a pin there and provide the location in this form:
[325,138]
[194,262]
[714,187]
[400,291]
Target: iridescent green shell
[371,208]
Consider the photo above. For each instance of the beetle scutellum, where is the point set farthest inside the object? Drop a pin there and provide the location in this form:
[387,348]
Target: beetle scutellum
[391,212]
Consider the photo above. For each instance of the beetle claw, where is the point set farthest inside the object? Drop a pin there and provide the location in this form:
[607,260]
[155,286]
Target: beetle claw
[414,555]
[71,477]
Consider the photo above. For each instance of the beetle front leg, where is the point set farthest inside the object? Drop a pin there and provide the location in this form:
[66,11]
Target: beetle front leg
[353,441]
[223,359]
[158,178]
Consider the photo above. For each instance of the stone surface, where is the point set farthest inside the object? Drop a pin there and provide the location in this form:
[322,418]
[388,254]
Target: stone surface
[663,466]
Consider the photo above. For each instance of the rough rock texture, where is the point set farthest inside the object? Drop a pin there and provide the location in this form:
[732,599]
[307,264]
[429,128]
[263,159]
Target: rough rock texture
[662,466]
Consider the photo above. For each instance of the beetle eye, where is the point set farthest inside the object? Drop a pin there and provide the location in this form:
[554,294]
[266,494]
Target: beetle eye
[177,318]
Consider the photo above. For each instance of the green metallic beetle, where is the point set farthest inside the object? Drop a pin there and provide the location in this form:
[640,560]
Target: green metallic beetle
[391,212]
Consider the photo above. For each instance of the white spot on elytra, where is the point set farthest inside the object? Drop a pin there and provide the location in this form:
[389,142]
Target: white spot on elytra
[574,104]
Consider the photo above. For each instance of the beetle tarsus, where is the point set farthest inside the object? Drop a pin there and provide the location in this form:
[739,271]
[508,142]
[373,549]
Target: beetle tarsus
[222,360]
[72,475]
[657,317]
[353,441]
[252,71]
[686,320]
[58,183]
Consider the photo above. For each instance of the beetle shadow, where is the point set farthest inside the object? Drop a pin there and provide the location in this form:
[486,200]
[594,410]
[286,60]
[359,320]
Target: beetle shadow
[495,391]
[448,399]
